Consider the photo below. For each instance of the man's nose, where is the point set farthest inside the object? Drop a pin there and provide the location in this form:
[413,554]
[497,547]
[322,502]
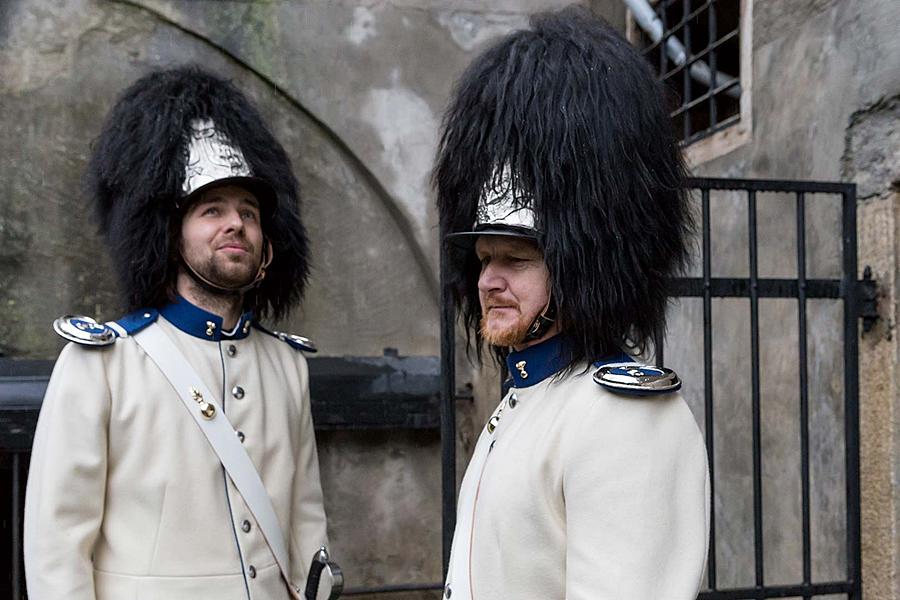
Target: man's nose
[233,221]
[491,279]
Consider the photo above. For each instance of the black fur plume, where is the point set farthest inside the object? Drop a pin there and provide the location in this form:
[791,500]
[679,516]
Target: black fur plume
[135,177]
[579,116]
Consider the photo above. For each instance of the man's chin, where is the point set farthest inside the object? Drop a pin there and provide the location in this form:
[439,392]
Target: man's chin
[229,278]
[509,335]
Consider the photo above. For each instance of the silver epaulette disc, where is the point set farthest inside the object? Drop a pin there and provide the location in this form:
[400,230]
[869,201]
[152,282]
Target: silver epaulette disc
[637,379]
[84,330]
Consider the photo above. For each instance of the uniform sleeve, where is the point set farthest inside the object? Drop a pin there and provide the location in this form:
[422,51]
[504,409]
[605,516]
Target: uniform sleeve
[67,479]
[308,531]
[636,492]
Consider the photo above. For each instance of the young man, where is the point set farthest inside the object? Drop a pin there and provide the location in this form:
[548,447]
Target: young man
[589,481]
[175,455]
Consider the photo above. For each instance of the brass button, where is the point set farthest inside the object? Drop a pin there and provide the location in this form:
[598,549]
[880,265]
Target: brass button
[232,350]
[210,327]
[245,526]
[513,400]
[246,326]
[240,435]
[492,423]
[237,391]
[251,571]
[521,367]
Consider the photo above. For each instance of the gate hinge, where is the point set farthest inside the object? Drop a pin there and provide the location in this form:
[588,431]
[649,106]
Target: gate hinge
[868,299]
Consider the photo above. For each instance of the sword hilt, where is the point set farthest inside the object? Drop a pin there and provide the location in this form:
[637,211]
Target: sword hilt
[320,562]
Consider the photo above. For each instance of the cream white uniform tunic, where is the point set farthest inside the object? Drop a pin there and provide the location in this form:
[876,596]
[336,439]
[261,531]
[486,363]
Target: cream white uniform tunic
[126,500]
[581,494]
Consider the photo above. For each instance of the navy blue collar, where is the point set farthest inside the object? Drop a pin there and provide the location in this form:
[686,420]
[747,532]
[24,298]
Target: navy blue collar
[536,363]
[203,324]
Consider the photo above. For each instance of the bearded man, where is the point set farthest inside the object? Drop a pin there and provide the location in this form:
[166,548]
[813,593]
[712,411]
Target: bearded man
[175,455]
[561,186]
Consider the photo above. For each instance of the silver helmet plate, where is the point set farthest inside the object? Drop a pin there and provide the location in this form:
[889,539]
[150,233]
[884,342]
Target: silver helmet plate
[503,204]
[211,157]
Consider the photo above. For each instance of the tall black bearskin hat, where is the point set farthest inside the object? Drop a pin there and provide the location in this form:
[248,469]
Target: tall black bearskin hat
[567,121]
[137,180]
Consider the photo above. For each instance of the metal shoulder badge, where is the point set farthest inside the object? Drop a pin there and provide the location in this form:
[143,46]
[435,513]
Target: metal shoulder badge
[298,342]
[635,379]
[84,330]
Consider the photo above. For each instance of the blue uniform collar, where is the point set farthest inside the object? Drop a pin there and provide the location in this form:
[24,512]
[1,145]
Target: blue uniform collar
[536,363]
[203,324]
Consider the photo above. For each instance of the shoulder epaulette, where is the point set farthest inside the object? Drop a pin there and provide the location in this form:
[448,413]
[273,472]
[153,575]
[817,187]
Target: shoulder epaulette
[88,332]
[298,342]
[84,330]
[134,322]
[635,379]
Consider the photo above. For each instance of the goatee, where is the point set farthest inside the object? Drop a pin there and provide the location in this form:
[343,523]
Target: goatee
[508,336]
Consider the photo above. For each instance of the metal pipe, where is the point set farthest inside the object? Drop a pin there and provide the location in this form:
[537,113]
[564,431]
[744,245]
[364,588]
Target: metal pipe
[714,74]
[686,75]
[646,17]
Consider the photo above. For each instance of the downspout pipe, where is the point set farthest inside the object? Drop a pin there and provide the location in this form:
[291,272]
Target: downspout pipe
[646,17]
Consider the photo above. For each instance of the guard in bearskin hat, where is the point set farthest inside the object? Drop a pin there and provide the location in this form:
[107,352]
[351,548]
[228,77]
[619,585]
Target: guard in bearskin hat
[560,185]
[174,455]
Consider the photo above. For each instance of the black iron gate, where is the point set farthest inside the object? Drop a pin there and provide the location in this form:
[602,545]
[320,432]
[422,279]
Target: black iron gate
[846,289]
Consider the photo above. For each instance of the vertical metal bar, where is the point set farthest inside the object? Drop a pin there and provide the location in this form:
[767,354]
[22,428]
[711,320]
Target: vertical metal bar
[804,386]
[663,43]
[448,410]
[713,35]
[708,388]
[686,71]
[16,496]
[851,391]
[754,376]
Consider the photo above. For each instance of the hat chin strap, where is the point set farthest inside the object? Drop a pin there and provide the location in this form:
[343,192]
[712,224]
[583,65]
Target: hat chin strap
[268,254]
[542,323]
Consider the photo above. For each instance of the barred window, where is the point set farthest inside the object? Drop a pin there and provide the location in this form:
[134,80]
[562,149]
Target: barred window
[695,46]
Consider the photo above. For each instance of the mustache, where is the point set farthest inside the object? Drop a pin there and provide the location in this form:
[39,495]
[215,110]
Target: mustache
[492,301]
[236,241]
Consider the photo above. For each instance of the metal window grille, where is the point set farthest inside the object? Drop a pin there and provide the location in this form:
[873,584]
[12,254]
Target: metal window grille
[698,58]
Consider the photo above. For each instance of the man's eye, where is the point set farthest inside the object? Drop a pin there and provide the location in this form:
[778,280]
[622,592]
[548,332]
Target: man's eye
[249,215]
[210,210]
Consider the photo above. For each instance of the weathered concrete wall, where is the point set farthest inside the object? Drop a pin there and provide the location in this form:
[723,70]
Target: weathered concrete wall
[354,90]
[825,79]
